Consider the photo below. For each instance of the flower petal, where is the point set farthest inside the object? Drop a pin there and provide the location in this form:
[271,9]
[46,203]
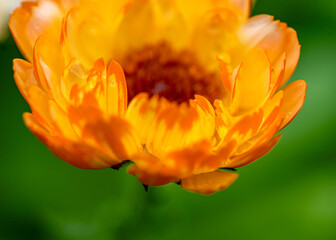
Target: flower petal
[253,154]
[251,84]
[113,137]
[209,183]
[31,20]
[294,96]
[215,34]
[24,76]
[116,92]
[160,123]
[180,164]
[49,65]
[275,38]
[86,37]
[77,154]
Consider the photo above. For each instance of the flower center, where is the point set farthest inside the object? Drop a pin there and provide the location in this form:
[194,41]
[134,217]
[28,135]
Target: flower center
[176,75]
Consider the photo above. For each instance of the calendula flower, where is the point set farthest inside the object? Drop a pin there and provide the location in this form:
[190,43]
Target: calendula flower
[182,89]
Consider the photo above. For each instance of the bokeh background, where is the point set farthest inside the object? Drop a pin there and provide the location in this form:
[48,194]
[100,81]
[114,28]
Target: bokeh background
[288,194]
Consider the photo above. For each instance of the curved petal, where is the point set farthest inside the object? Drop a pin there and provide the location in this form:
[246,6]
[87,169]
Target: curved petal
[160,123]
[243,129]
[116,90]
[85,36]
[294,96]
[209,183]
[275,38]
[31,20]
[180,164]
[77,154]
[113,137]
[252,83]
[49,66]
[24,76]
[253,154]
[214,34]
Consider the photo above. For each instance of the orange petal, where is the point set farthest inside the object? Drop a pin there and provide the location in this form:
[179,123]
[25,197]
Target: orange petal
[253,154]
[251,83]
[24,76]
[159,123]
[77,154]
[116,92]
[38,101]
[175,165]
[49,65]
[148,178]
[223,118]
[114,137]
[180,164]
[243,129]
[275,38]
[31,20]
[209,183]
[294,96]
[73,74]
[272,108]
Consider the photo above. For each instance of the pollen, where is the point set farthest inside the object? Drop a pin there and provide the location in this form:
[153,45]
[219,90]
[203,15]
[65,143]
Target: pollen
[160,70]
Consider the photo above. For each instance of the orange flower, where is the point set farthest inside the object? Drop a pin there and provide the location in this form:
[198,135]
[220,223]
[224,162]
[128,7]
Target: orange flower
[167,107]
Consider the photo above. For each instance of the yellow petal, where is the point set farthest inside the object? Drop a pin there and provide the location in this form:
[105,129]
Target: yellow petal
[87,36]
[215,34]
[251,84]
[209,183]
[275,38]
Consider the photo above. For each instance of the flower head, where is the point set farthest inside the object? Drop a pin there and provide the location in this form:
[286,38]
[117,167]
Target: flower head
[182,90]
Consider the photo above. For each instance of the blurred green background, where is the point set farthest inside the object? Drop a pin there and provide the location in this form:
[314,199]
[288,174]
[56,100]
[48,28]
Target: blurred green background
[288,194]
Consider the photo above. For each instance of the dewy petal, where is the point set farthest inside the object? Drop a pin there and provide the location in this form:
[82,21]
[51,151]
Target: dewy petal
[31,20]
[251,84]
[294,96]
[209,183]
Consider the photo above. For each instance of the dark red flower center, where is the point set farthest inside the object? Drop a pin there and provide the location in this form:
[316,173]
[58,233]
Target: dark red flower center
[175,75]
